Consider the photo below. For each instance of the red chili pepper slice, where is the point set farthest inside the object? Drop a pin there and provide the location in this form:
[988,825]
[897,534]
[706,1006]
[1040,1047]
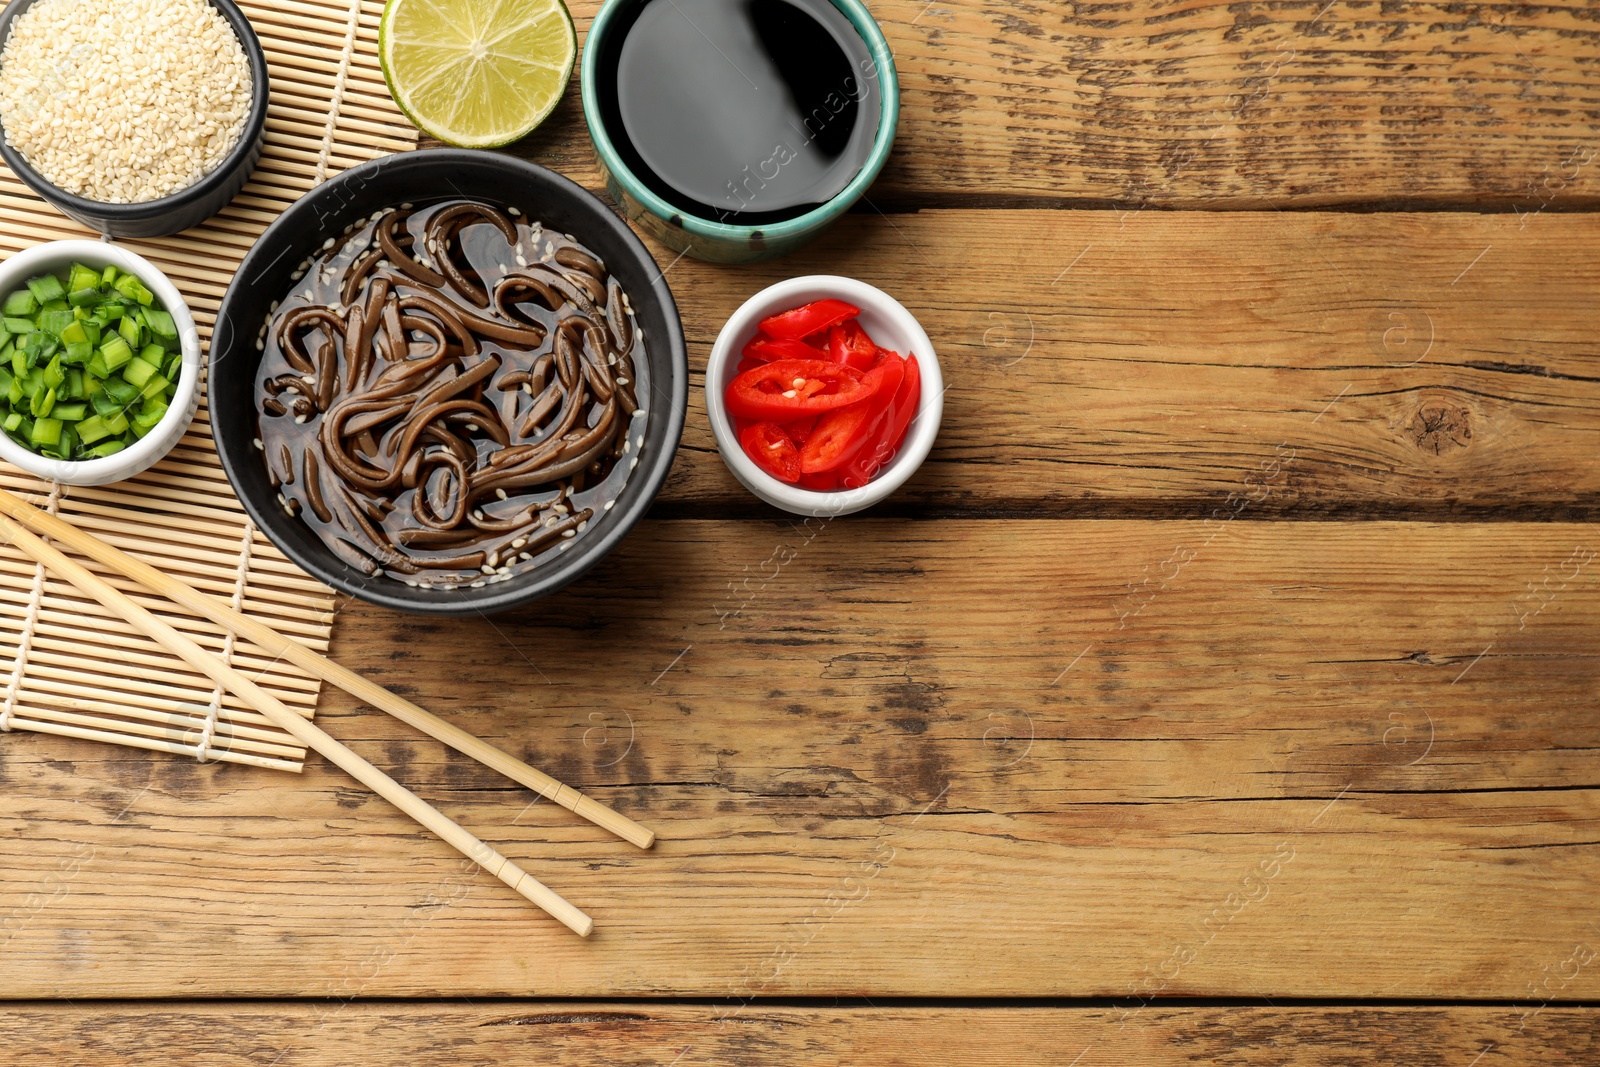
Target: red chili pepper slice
[849,344]
[841,434]
[826,482]
[885,436]
[791,389]
[766,349]
[802,322]
[772,450]
[800,431]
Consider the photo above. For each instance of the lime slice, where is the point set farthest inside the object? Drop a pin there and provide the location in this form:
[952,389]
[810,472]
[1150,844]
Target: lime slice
[477,73]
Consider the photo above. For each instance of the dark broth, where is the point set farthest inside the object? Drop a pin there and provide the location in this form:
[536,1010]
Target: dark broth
[739,111]
[484,256]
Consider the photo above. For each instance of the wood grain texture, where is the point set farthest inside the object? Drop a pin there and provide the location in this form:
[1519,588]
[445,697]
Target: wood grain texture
[899,758]
[190,1034]
[1218,104]
[1162,363]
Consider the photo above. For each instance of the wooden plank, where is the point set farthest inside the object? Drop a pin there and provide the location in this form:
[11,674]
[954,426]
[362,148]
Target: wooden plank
[898,758]
[1215,104]
[650,1035]
[1161,363]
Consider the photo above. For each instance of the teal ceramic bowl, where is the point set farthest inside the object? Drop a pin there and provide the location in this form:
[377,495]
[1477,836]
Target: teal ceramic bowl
[720,242]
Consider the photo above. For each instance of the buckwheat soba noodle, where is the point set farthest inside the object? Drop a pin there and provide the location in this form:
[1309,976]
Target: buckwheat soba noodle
[451,394]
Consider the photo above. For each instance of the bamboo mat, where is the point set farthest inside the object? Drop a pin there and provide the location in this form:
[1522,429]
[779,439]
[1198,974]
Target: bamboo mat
[66,666]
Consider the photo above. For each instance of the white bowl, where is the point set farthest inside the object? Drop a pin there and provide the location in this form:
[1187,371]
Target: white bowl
[145,452]
[891,326]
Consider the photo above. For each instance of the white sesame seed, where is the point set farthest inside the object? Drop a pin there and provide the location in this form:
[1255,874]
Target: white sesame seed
[519,542]
[487,569]
[124,101]
[610,504]
[257,442]
[501,493]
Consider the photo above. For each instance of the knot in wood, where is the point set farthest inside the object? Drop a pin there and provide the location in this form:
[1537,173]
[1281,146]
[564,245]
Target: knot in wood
[1440,426]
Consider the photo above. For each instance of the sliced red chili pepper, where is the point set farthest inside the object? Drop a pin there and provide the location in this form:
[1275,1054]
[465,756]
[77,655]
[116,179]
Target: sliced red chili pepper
[790,389]
[800,431]
[802,322]
[826,482]
[885,436]
[841,434]
[746,363]
[767,349]
[772,450]
[849,344]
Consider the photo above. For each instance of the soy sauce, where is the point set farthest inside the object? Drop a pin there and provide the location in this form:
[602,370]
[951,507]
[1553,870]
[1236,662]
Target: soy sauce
[739,111]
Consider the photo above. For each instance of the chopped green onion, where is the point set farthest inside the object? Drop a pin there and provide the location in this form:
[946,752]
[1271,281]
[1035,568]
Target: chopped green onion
[47,288]
[89,362]
[46,432]
[161,325]
[20,304]
[82,277]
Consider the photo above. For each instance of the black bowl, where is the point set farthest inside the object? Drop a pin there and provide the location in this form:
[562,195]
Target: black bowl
[187,207]
[544,196]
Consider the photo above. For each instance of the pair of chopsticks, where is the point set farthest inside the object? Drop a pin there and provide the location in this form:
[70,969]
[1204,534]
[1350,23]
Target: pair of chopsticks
[16,513]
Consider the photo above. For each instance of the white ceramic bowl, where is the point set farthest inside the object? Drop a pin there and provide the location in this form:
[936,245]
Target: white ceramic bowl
[145,452]
[891,326]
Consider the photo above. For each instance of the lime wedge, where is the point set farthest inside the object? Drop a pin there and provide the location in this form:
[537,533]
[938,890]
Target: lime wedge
[477,73]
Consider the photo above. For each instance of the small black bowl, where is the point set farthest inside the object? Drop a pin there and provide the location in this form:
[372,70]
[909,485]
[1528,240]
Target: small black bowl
[187,207]
[418,177]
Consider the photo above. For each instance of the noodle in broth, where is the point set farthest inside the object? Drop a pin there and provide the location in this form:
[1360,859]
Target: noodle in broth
[451,394]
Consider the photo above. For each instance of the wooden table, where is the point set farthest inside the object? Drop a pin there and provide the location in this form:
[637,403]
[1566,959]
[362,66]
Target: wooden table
[1221,691]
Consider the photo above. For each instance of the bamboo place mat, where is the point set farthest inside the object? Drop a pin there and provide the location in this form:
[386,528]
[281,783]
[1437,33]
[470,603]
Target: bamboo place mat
[70,667]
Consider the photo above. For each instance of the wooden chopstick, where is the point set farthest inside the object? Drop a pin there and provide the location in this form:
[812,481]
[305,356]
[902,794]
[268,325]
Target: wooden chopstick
[308,733]
[274,643]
